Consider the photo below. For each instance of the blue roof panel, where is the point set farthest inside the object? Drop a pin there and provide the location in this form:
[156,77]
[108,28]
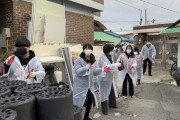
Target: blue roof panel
[123,38]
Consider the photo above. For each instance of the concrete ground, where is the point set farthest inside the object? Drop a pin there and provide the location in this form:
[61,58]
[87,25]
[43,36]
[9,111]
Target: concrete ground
[157,98]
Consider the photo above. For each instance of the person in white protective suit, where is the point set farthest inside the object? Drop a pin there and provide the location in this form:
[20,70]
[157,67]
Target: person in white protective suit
[117,52]
[83,87]
[149,53]
[106,79]
[23,64]
[127,74]
[139,59]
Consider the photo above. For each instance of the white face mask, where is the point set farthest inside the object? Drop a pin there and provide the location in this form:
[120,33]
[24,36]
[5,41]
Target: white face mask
[128,51]
[87,52]
[135,53]
[111,53]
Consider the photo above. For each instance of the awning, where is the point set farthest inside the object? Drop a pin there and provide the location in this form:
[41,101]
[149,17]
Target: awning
[171,31]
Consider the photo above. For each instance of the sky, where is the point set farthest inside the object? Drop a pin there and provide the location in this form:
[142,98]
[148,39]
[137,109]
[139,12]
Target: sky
[122,15]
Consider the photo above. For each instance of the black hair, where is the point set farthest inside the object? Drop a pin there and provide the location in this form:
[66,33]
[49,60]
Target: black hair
[131,53]
[87,45]
[22,42]
[107,49]
[136,49]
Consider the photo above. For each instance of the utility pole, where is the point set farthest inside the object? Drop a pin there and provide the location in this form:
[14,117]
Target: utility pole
[145,16]
[140,17]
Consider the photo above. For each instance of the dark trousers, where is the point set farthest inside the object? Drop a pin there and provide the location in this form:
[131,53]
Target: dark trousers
[112,98]
[131,88]
[147,60]
[89,104]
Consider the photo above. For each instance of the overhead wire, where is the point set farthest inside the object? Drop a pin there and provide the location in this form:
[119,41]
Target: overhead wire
[160,6]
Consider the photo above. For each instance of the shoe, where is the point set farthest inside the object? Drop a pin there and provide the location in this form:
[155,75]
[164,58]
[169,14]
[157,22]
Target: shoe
[87,118]
[139,83]
[114,106]
[133,96]
[125,97]
[143,73]
[150,74]
[104,107]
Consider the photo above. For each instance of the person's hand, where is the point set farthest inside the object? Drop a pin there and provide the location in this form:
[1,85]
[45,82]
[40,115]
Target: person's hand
[32,74]
[88,66]
[118,64]
[10,59]
[132,67]
[105,69]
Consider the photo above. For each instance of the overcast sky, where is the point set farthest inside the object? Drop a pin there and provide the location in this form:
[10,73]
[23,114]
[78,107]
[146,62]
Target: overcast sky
[118,16]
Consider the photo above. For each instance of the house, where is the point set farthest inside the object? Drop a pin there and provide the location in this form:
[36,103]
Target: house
[127,34]
[173,31]
[77,16]
[165,47]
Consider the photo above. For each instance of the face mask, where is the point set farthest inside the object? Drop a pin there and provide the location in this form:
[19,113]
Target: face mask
[135,53]
[87,52]
[111,53]
[21,51]
[128,51]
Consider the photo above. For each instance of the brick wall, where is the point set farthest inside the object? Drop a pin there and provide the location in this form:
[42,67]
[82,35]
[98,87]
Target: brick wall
[21,10]
[143,40]
[79,28]
[18,24]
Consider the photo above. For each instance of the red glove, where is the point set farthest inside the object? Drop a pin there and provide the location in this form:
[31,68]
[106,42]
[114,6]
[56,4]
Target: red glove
[106,69]
[10,60]
[90,65]
[3,70]
[29,74]
[132,67]
[120,60]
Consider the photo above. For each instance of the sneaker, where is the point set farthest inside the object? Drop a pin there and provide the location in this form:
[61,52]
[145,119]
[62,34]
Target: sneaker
[125,97]
[133,96]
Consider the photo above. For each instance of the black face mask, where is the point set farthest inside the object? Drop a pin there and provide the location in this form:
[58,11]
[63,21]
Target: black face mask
[21,51]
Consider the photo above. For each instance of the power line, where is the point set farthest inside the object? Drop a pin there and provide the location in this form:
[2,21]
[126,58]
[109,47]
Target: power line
[128,5]
[159,6]
[140,22]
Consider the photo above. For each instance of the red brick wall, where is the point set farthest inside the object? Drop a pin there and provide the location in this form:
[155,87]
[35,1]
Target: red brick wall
[79,28]
[143,40]
[18,24]
[21,9]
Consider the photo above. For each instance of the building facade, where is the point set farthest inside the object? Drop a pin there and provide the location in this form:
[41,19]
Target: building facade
[79,16]
[165,46]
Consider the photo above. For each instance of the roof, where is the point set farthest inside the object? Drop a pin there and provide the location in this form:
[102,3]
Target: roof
[99,35]
[99,26]
[119,36]
[174,29]
[171,30]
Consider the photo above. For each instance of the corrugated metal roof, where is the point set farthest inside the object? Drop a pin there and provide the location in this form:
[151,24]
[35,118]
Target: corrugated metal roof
[171,30]
[98,35]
